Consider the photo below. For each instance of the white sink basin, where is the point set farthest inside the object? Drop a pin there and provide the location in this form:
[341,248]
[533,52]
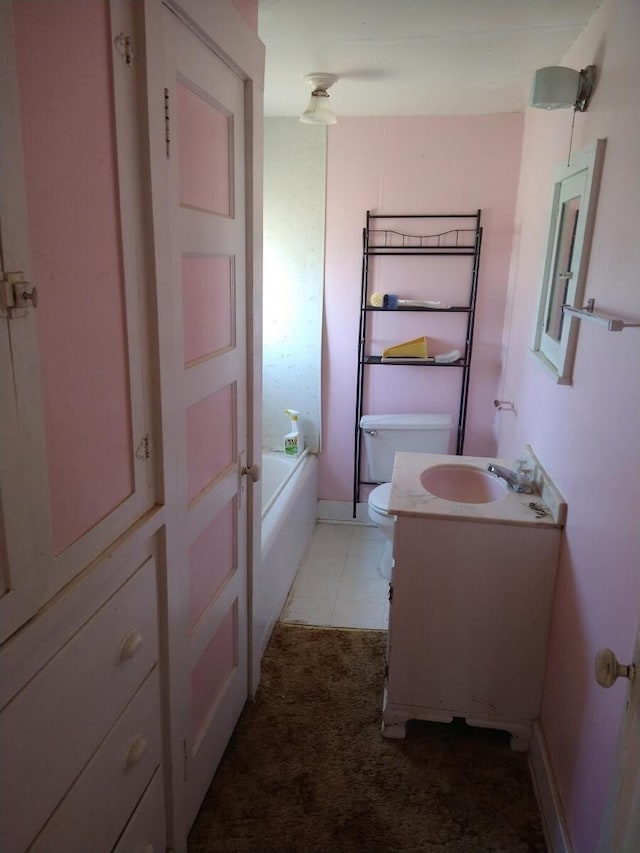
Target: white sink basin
[463,484]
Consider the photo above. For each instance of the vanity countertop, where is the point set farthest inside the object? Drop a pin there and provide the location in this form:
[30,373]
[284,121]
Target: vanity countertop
[410,498]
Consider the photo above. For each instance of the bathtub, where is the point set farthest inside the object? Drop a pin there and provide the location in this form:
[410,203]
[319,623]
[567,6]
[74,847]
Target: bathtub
[289,510]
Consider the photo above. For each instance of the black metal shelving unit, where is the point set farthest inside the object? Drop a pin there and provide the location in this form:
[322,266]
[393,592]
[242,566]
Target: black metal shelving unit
[454,242]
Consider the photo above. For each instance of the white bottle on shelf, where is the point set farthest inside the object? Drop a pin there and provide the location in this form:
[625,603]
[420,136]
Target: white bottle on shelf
[294,440]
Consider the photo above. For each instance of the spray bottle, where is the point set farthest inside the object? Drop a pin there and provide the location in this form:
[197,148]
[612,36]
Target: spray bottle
[293,441]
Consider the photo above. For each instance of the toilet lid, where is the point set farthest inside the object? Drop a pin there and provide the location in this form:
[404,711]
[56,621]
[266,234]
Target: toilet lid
[379,497]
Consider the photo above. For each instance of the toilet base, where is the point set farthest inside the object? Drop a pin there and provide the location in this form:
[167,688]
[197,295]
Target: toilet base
[386,561]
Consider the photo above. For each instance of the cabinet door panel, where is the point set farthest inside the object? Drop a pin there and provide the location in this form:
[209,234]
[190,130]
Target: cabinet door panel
[25,536]
[77,361]
[74,232]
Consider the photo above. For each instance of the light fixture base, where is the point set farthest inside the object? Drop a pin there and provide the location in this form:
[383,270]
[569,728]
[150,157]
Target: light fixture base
[585,88]
[320,80]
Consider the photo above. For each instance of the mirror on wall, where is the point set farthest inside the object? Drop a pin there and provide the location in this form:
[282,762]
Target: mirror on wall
[573,209]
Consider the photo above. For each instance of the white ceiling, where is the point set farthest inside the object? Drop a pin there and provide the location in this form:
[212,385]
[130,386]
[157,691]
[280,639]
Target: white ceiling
[414,57]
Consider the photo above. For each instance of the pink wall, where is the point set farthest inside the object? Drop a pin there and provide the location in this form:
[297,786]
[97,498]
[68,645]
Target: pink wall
[586,434]
[413,165]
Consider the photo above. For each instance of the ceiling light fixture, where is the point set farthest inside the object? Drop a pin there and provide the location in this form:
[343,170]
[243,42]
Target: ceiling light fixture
[557,87]
[319,110]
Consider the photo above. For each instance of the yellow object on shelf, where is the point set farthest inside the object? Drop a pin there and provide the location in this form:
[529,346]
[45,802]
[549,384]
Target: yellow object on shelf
[417,348]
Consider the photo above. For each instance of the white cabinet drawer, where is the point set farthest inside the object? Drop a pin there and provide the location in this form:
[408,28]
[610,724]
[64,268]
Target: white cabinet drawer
[93,813]
[145,832]
[54,724]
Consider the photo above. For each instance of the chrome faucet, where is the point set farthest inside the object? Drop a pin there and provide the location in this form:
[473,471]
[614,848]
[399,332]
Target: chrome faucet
[513,478]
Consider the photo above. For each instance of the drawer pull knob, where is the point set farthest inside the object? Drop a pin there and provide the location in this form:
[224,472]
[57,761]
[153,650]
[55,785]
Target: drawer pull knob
[136,751]
[129,646]
[147,847]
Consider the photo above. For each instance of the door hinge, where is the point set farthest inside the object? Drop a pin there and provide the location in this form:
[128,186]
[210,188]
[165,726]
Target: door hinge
[185,758]
[143,450]
[16,295]
[124,46]
[167,123]
[390,595]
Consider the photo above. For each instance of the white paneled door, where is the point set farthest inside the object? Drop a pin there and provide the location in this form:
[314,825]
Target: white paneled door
[621,824]
[205,146]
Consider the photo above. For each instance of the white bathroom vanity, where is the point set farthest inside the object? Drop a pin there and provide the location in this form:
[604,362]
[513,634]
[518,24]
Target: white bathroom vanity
[471,596]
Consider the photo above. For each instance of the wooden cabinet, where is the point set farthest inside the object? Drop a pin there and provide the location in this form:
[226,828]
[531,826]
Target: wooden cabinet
[86,723]
[123,765]
[126,535]
[469,624]
[79,603]
[145,833]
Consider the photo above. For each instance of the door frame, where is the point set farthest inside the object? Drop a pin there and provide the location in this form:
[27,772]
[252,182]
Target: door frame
[228,35]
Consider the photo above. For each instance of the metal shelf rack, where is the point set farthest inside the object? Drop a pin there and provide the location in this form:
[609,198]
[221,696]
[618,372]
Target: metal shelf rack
[454,242]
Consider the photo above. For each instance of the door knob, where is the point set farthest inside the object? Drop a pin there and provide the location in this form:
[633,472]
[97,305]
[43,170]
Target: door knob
[608,668]
[252,471]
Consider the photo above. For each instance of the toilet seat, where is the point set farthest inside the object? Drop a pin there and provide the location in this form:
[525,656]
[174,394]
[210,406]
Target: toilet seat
[379,498]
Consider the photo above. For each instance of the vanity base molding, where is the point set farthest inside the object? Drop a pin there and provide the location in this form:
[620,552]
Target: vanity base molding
[395,719]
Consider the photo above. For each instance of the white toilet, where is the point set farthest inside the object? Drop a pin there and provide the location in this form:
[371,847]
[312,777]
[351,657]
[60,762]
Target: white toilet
[383,436]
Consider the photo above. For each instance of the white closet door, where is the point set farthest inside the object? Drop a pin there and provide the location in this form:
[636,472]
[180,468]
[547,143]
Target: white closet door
[24,517]
[74,467]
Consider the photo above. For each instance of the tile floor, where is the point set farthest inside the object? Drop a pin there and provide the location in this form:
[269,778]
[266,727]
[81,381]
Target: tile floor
[339,583]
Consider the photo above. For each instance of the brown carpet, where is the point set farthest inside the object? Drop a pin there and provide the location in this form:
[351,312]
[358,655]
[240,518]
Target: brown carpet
[307,770]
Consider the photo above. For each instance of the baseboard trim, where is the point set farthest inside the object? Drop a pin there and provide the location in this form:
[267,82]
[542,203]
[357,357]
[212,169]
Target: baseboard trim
[343,511]
[544,783]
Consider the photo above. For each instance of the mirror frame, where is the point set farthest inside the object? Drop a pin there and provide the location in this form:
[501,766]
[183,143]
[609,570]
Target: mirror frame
[558,356]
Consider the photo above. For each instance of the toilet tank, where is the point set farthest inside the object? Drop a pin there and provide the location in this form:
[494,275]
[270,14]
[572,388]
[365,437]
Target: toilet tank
[386,434]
